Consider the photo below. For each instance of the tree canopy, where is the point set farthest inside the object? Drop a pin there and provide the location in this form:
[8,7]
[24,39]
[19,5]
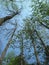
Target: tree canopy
[32,38]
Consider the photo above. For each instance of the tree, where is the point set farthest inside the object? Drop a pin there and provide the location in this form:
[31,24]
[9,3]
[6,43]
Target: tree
[37,20]
[40,12]
[7,46]
[31,32]
[21,38]
[15,11]
[29,29]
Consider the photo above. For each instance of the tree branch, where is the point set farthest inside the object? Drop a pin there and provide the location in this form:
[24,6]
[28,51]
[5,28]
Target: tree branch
[44,25]
[40,38]
[8,44]
[4,19]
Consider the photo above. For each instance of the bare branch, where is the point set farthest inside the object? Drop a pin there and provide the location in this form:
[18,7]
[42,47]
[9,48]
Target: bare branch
[4,19]
[8,44]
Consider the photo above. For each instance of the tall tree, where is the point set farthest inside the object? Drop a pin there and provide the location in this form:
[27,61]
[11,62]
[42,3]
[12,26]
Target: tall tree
[31,34]
[13,11]
[7,46]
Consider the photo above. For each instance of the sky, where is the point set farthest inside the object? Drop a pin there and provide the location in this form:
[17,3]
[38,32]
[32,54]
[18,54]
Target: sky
[26,11]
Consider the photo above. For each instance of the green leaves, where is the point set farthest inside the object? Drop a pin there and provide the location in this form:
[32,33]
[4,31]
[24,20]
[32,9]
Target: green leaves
[44,9]
[15,61]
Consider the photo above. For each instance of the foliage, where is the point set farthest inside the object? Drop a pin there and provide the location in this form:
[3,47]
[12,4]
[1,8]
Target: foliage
[32,32]
[40,10]
[16,60]
[8,57]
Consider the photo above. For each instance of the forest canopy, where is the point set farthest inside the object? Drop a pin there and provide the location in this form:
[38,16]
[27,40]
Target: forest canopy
[24,28]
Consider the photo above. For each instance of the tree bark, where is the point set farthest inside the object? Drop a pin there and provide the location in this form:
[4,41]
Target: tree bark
[44,25]
[4,19]
[7,46]
[34,46]
[42,42]
[22,58]
[0,61]
[40,39]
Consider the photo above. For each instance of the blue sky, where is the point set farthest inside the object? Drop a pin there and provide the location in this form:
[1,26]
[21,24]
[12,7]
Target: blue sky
[26,11]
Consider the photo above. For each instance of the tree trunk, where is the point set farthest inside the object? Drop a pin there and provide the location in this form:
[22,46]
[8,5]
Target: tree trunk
[7,46]
[42,41]
[2,20]
[0,61]
[22,59]
[38,63]
[44,25]
[34,46]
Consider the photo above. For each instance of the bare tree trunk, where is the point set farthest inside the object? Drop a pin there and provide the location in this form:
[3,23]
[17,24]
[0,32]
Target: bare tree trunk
[44,25]
[22,59]
[7,46]
[2,20]
[40,38]
[40,21]
[34,46]
[42,41]
[38,62]
[0,61]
